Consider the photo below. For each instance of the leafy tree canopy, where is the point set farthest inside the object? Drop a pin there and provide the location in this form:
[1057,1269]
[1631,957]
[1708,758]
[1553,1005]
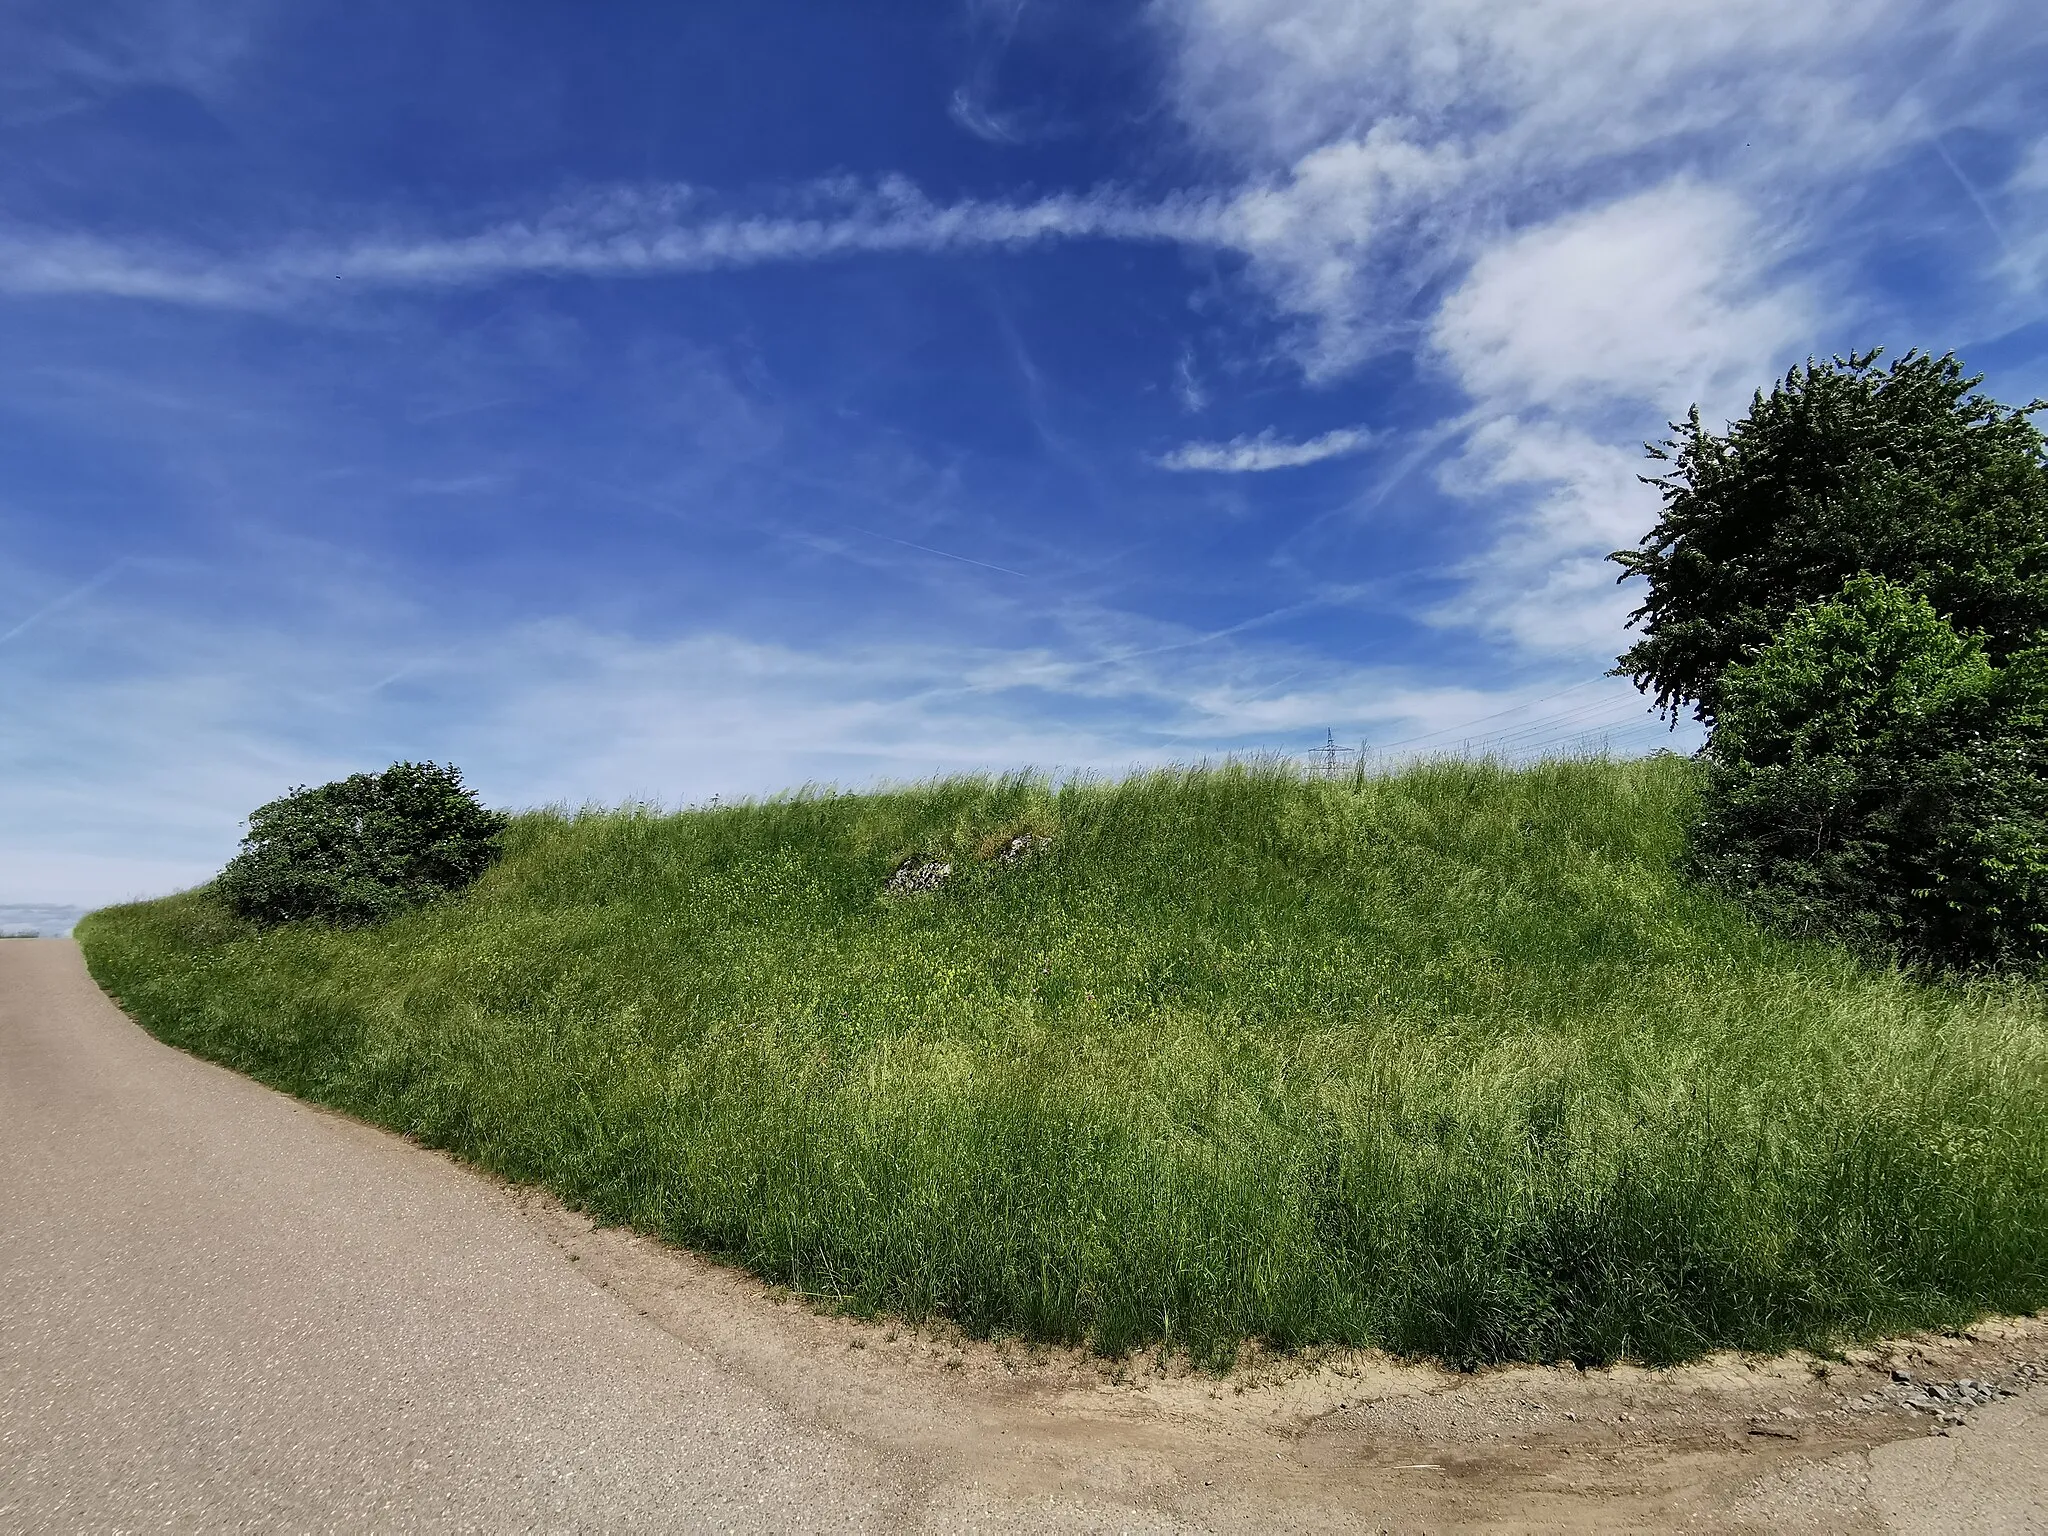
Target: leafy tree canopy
[362,848]
[1875,775]
[1845,468]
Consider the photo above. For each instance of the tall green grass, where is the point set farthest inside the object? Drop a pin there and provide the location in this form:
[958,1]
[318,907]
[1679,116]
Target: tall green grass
[1449,1061]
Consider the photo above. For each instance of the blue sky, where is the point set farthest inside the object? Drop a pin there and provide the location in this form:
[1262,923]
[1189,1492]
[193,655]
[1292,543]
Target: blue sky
[646,401]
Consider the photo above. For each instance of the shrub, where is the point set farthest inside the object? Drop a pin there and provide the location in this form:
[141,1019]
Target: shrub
[362,848]
[1876,775]
[1844,469]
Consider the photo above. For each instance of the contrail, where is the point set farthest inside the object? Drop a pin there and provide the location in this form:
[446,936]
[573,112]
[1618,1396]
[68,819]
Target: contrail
[927,549]
[85,589]
[1990,219]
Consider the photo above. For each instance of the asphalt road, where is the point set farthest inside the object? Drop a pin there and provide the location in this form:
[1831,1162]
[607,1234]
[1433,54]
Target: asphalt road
[222,1309]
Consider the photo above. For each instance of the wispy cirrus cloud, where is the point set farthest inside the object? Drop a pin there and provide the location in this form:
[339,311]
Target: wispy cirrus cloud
[1264,451]
[993,26]
[969,111]
[1603,315]
[87,53]
[1665,296]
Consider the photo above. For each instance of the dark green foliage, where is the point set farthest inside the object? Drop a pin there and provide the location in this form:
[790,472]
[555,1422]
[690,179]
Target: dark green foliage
[1451,1061]
[1844,469]
[1876,776]
[362,848]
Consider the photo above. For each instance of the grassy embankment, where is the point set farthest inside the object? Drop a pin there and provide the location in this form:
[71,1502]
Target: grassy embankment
[1448,1061]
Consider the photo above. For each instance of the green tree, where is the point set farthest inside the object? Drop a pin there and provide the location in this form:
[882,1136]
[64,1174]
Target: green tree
[1875,775]
[1845,468]
[362,848]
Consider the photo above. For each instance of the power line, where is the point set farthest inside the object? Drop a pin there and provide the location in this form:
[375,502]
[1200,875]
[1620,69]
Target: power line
[1609,731]
[1451,730]
[1578,725]
[1593,715]
[1537,727]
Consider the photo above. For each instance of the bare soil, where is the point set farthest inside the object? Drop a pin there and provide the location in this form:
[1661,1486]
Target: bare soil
[988,1433]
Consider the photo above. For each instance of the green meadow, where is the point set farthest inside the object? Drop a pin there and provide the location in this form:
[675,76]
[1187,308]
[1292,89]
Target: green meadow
[1450,1061]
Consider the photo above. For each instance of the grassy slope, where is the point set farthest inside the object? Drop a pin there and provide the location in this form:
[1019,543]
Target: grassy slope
[1449,1062]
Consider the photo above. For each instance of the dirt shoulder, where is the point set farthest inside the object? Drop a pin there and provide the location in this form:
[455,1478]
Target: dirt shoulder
[1920,1430]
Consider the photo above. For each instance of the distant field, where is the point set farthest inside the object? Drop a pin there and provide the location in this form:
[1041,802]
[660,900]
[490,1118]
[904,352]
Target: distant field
[1448,1061]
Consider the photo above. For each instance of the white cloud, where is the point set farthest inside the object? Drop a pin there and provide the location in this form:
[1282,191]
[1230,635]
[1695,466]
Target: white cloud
[1316,235]
[1664,297]
[1252,455]
[1558,81]
[1615,316]
[1386,144]
[1543,583]
[1607,194]
[1606,497]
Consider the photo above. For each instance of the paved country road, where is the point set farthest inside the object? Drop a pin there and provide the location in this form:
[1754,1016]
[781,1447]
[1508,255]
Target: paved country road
[222,1309]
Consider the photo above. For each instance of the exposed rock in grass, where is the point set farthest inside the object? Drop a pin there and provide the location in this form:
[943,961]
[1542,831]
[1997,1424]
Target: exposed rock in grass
[920,874]
[915,876]
[1021,847]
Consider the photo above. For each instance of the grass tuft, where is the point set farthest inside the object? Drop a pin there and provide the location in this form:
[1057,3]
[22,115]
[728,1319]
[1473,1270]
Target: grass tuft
[1449,1061]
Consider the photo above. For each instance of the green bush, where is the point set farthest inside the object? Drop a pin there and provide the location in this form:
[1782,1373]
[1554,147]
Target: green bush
[362,848]
[1844,469]
[1875,775]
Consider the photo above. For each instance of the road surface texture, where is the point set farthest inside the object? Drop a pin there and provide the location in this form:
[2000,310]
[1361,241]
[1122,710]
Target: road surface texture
[222,1309]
